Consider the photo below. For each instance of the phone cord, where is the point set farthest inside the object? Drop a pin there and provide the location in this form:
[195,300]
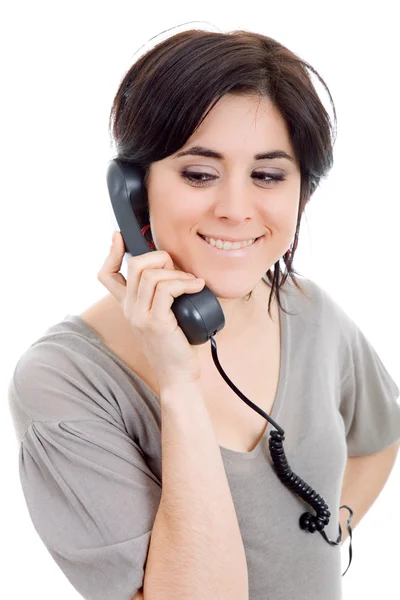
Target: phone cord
[307,521]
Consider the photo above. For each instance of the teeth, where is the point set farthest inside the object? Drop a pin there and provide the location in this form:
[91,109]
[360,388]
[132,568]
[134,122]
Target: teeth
[228,245]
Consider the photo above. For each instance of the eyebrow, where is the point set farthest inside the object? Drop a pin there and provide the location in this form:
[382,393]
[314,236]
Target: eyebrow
[201,151]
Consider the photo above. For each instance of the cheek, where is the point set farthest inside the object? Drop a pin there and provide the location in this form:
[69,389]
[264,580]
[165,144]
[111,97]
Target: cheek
[282,213]
[173,224]
[279,220]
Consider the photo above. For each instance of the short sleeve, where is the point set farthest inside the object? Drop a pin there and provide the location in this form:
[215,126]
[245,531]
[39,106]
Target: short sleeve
[90,494]
[369,400]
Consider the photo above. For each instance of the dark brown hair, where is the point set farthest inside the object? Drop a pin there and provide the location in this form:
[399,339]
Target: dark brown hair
[168,92]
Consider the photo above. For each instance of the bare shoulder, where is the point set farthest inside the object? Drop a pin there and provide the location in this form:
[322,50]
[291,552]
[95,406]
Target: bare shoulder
[107,319]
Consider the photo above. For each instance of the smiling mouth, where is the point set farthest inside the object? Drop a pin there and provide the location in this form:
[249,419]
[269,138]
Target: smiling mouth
[231,250]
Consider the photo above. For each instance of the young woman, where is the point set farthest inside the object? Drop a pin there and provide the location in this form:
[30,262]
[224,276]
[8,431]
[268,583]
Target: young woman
[144,473]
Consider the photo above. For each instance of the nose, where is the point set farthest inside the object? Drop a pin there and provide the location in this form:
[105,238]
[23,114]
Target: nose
[234,201]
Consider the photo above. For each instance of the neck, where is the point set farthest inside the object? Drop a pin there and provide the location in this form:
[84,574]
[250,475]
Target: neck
[246,321]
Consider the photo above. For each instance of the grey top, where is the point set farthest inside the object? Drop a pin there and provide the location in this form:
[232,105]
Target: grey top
[90,452]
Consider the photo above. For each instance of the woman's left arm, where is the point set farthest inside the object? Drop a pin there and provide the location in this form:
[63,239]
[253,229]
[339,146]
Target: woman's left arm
[364,478]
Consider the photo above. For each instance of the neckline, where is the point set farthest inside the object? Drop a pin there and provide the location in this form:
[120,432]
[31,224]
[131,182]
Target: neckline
[280,392]
[283,370]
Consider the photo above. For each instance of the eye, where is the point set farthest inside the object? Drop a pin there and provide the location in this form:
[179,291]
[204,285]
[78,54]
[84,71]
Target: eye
[269,177]
[199,179]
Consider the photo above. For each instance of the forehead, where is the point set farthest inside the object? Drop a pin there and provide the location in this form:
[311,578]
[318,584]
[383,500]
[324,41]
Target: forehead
[243,123]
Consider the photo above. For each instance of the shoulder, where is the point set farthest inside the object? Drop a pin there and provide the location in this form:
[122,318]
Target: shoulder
[318,315]
[67,374]
[318,301]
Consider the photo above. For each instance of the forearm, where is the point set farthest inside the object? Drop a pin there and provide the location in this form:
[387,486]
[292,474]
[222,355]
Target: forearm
[364,479]
[196,549]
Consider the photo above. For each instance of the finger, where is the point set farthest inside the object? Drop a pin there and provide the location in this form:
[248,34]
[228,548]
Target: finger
[137,265]
[166,292]
[149,281]
[109,274]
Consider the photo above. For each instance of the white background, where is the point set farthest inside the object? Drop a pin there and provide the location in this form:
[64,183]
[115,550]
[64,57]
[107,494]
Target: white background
[61,65]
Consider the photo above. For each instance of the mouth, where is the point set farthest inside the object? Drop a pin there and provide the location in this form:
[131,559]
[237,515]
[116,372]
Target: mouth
[233,253]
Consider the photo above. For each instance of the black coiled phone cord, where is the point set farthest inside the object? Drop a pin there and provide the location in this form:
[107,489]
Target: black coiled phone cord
[307,521]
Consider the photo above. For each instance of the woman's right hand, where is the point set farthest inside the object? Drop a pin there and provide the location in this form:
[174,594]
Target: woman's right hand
[146,299]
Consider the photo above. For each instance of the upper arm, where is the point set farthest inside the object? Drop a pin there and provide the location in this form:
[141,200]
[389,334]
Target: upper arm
[89,491]
[138,595]
[369,400]
[93,502]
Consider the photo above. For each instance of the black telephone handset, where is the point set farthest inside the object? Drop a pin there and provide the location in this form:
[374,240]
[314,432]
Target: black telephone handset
[199,315]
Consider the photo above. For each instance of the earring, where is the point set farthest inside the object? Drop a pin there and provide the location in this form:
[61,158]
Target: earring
[294,246]
[144,229]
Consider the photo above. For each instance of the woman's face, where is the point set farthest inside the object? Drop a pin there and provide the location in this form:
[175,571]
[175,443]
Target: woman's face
[231,197]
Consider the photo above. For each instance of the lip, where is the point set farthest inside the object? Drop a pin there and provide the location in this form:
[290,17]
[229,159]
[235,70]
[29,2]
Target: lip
[241,252]
[226,239]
